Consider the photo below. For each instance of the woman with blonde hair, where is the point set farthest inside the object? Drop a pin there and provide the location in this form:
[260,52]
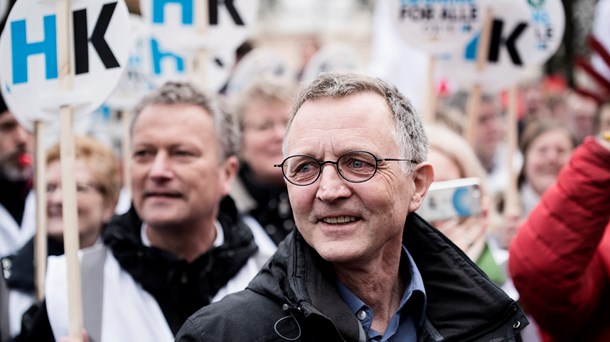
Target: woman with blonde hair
[98,185]
[262,110]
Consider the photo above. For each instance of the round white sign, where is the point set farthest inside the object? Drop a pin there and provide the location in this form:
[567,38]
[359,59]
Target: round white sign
[524,35]
[136,82]
[259,62]
[173,23]
[29,72]
[160,64]
[438,26]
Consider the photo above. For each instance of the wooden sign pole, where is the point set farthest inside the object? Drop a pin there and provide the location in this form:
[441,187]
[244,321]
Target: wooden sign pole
[474,99]
[201,22]
[126,117]
[40,241]
[69,213]
[431,98]
[511,198]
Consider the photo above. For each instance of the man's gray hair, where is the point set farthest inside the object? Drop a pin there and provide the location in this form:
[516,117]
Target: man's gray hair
[171,93]
[408,130]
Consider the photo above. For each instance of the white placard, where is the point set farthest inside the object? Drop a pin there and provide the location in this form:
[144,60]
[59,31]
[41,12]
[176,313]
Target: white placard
[173,23]
[259,62]
[438,26]
[160,65]
[28,50]
[524,35]
[135,82]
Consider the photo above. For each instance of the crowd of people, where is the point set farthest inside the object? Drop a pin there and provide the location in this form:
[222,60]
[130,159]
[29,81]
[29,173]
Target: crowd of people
[289,211]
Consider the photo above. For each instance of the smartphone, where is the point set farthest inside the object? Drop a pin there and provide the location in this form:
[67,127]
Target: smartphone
[457,198]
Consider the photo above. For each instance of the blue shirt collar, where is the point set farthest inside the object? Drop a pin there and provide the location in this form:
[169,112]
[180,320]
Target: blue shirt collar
[413,301]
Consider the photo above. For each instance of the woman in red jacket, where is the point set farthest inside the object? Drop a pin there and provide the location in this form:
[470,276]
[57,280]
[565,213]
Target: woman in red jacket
[560,258]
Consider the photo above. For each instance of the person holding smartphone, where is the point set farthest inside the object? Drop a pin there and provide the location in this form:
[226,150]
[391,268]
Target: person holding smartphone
[453,159]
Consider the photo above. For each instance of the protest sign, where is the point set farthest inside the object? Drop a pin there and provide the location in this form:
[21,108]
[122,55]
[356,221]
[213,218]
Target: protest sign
[524,34]
[176,38]
[258,63]
[438,26]
[60,61]
[29,73]
[173,23]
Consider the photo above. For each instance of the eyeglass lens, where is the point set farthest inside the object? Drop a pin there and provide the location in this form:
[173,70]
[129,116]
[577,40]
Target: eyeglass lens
[358,166]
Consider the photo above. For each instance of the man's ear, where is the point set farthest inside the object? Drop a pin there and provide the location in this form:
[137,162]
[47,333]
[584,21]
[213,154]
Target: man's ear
[228,171]
[422,178]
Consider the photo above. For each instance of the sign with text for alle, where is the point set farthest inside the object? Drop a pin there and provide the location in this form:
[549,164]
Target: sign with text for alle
[524,35]
[29,72]
[438,26]
[174,26]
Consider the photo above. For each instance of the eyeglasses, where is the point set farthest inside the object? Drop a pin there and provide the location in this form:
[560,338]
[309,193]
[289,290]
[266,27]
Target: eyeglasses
[354,167]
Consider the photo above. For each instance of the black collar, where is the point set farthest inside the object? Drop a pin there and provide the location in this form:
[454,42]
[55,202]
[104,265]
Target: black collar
[180,287]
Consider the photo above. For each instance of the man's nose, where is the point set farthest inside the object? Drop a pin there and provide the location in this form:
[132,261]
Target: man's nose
[161,166]
[22,137]
[54,196]
[331,185]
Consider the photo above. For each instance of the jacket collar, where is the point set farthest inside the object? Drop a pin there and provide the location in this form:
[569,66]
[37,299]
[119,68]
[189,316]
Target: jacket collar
[181,287]
[455,286]
[461,301]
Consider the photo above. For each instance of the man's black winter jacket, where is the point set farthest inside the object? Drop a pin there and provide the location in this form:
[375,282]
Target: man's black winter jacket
[294,298]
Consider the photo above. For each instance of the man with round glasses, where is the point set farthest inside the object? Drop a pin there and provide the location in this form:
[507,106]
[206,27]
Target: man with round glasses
[353,166]
[360,265]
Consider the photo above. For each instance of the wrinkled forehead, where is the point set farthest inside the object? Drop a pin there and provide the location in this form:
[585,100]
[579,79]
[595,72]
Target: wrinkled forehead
[354,98]
[363,121]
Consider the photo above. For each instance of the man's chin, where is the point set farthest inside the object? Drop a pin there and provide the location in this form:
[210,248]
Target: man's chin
[15,174]
[56,233]
[338,253]
[158,220]
[163,224]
